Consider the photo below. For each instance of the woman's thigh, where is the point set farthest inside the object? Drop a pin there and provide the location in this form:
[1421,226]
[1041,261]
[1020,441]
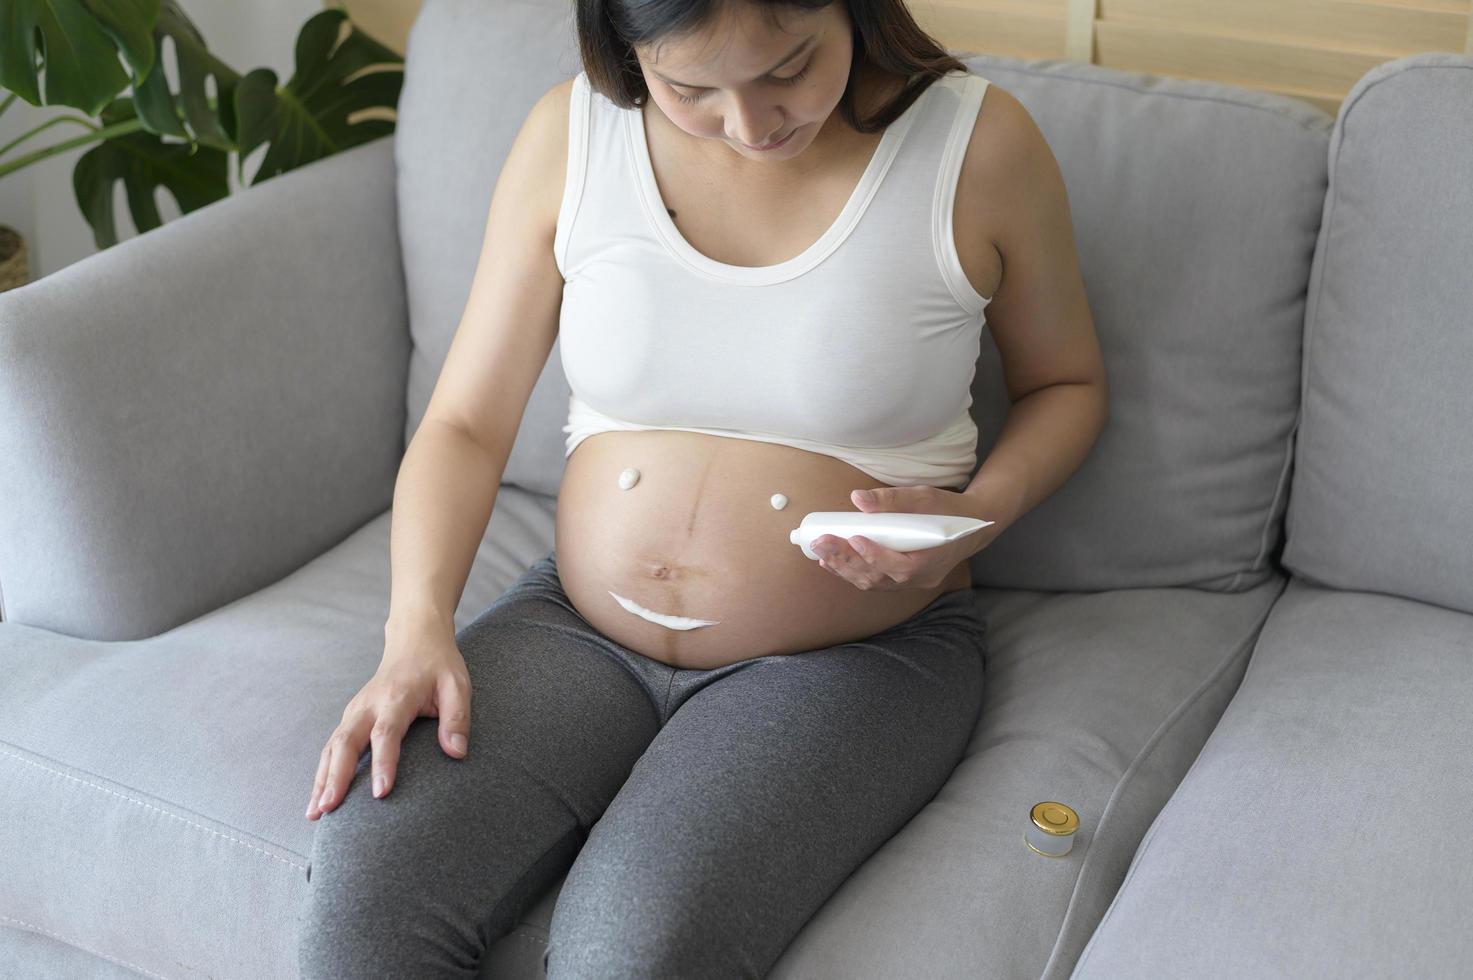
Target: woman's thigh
[771,781]
[419,882]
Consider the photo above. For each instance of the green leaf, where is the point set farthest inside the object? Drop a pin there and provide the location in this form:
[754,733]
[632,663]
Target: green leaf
[76,43]
[164,112]
[130,25]
[196,176]
[307,119]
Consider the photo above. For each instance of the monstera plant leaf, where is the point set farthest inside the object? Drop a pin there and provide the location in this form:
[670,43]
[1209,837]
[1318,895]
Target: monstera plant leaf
[79,42]
[160,110]
[195,175]
[181,141]
[307,118]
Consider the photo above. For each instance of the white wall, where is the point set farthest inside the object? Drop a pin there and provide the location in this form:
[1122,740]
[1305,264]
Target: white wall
[39,201]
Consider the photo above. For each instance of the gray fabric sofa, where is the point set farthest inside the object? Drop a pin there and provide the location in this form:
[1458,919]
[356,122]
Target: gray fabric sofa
[1239,642]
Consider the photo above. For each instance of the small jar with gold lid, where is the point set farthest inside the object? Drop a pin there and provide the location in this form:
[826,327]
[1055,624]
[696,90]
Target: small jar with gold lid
[1051,828]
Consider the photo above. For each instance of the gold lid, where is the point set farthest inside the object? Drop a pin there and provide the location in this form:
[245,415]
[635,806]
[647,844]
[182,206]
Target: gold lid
[1054,818]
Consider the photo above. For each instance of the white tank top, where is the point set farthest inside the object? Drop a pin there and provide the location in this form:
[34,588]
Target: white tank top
[862,347]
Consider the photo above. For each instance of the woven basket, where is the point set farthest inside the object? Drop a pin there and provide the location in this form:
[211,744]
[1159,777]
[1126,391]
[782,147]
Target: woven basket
[13,270]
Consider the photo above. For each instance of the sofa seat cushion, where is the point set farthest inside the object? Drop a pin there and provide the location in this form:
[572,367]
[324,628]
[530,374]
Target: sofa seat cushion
[154,790]
[164,781]
[25,954]
[1096,700]
[1320,831]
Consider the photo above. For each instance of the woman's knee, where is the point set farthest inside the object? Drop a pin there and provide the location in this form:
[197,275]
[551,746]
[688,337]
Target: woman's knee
[354,913]
[367,880]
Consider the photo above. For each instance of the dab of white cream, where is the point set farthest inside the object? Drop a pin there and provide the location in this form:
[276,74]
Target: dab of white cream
[778,501]
[660,619]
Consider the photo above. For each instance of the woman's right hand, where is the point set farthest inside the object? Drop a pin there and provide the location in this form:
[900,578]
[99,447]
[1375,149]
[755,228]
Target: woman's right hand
[423,676]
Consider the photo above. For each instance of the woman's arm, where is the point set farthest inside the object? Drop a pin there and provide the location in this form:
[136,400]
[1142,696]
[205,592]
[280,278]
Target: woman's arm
[1040,320]
[1046,436]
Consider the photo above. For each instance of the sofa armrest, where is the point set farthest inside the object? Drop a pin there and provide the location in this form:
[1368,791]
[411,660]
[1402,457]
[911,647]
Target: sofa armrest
[194,412]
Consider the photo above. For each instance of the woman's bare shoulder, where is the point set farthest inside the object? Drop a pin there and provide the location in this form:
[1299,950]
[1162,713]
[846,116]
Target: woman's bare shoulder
[1002,148]
[547,128]
[1039,313]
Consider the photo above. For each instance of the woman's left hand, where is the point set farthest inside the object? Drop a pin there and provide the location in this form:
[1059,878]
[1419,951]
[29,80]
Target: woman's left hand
[872,567]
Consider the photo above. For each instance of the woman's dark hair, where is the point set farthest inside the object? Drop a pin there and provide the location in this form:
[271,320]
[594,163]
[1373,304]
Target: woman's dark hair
[885,36]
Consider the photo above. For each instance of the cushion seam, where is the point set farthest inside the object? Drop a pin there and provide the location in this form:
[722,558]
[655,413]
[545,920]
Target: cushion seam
[1316,126]
[1281,492]
[76,945]
[1312,310]
[150,806]
[1250,645]
[1137,764]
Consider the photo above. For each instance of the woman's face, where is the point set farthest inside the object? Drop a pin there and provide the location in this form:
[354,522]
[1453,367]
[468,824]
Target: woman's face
[736,83]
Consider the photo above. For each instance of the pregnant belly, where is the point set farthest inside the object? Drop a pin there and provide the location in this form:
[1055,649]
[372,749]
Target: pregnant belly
[697,539]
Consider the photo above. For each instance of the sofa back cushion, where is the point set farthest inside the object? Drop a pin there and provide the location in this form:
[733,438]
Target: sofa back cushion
[1195,207]
[473,69]
[1383,473]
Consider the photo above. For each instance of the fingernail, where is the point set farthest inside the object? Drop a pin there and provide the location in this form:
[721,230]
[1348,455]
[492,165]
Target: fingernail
[378,785]
[325,799]
[457,742]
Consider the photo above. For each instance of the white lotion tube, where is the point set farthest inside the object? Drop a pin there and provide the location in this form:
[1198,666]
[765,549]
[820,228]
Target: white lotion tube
[899,532]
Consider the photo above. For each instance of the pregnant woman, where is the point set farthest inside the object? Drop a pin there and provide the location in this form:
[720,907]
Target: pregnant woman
[766,235]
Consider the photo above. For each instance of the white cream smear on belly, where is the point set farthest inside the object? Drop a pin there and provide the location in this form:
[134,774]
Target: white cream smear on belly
[661,619]
[628,477]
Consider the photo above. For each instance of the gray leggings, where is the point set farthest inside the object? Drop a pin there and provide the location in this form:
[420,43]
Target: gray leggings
[702,816]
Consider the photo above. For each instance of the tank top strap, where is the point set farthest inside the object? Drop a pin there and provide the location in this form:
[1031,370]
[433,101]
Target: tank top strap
[915,206]
[577,168]
[598,196]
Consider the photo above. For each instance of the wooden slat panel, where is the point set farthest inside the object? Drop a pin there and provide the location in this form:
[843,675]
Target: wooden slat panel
[1020,33]
[386,21]
[1319,75]
[1310,49]
[1456,6]
[1383,28]
[1079,29]
[1057,9]
[1313,50]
